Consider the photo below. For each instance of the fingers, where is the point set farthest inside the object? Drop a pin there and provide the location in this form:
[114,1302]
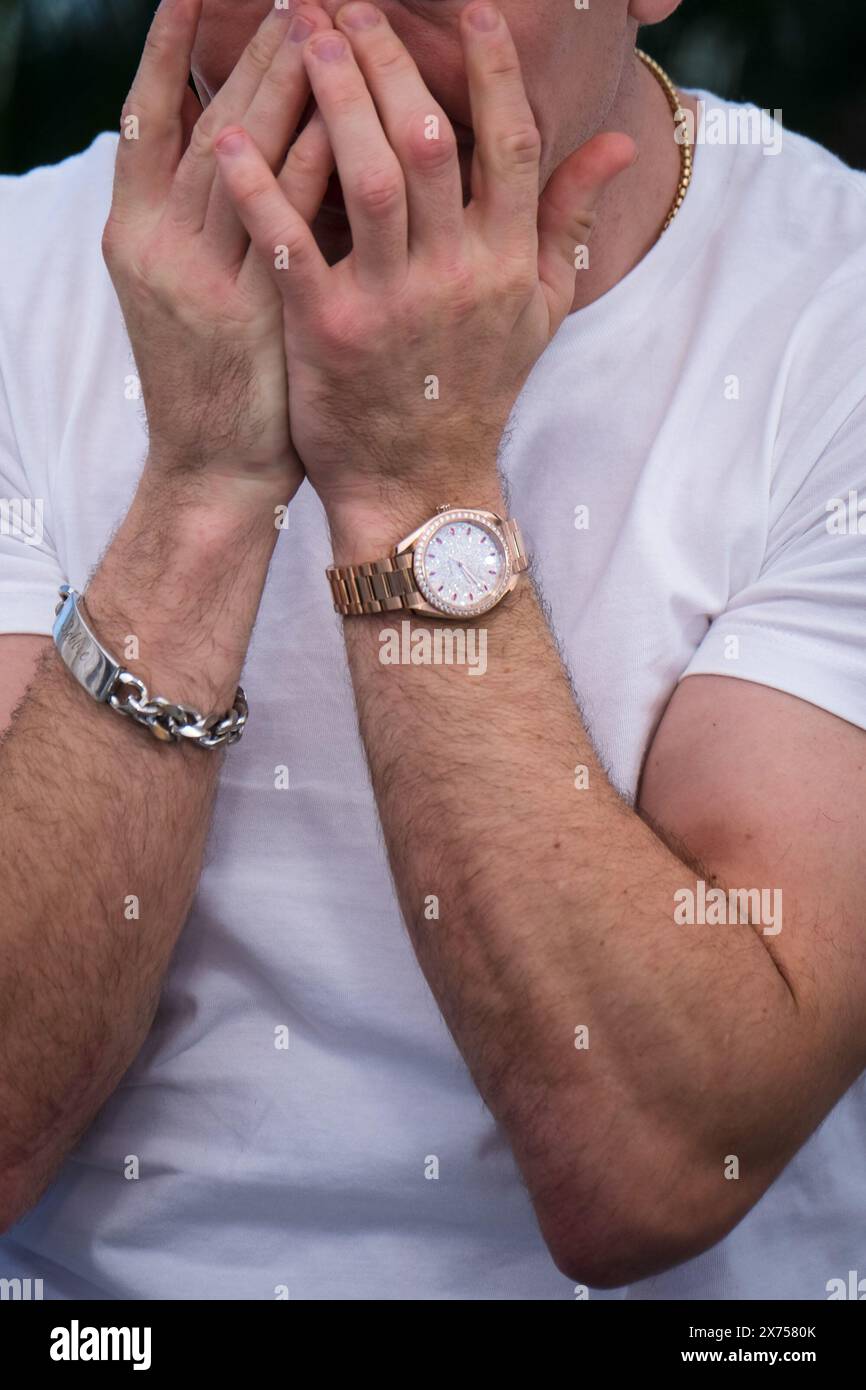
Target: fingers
[152,122]
[308,167]
[506,169]
[277,231]
[302,181]
[417,128]
[271,120]
[566,212]
[192,186]
[370,174]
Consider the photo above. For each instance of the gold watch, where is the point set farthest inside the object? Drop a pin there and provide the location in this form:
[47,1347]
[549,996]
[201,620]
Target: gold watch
[458,565]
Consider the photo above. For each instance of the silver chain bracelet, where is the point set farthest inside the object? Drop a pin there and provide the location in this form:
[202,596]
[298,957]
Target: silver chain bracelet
[105,680]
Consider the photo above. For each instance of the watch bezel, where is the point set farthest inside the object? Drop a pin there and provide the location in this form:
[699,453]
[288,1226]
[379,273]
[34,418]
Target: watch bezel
[421,538]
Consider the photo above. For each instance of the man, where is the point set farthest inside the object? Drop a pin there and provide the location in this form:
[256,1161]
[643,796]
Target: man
[619,1045]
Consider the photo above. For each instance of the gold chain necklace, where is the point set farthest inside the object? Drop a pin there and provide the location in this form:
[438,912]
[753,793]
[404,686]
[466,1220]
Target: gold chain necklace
[686,157]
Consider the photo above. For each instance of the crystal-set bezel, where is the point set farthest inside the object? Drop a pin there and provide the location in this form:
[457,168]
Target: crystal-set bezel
[454,610]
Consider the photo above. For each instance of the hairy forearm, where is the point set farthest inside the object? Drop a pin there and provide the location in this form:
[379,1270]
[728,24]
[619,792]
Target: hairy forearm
[103,829]
[553,912]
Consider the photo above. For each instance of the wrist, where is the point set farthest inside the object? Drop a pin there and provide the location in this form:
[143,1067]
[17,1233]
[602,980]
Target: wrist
[366,528]
[176,595]
[217,494]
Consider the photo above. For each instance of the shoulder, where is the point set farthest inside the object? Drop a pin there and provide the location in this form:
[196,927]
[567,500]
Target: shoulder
[84,178]
[786,206]
[783,274]
[60,321]
[51,222]
[81,184]
[53,280]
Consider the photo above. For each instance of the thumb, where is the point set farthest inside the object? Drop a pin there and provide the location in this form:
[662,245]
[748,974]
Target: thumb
[567,212]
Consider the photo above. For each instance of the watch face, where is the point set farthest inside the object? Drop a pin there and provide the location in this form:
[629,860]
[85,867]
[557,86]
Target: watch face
[461,564]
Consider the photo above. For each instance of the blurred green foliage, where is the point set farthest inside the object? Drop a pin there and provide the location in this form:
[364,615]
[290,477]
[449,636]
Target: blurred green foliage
[66,65]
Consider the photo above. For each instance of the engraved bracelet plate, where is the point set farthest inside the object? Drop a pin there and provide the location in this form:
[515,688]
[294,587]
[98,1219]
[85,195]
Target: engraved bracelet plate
[86,658]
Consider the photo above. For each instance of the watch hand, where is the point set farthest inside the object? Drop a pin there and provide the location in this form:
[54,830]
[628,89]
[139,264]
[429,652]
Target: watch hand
[469,575]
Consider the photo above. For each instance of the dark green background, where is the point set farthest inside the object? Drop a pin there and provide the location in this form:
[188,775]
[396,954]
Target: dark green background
[66,65]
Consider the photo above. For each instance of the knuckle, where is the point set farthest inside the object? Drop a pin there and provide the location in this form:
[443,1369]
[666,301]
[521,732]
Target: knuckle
[120,241]
[461,291]
[346,100]
[277,84]
[259,55]
[516,271]
[431,151]
[520,280]
[504,63]
[301,160]
[294,244]
[148,264]
[201,140]
[293,247]
[522,143]
[583,225]
[138,107]
[380,189]
[157,44]
[111,242]
[251,193]
[339,328]
[391,58]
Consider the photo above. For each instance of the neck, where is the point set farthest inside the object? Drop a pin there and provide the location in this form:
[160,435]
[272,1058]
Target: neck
[633,211]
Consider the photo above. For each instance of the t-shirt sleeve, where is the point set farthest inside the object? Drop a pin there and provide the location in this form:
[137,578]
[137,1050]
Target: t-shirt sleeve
[30,574]
[800,624]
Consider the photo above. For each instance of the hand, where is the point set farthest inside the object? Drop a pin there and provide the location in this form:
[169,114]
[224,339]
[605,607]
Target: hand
[406,358]
[202,312]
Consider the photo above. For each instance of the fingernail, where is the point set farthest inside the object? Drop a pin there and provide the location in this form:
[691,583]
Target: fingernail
[300,29]
[330,48]
[484,18]
[230,144]
[360,16]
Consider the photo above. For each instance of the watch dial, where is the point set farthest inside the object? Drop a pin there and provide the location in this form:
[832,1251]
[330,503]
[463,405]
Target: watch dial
[461,567]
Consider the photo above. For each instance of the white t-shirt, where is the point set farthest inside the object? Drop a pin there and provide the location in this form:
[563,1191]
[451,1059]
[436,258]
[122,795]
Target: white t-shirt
[705,412]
